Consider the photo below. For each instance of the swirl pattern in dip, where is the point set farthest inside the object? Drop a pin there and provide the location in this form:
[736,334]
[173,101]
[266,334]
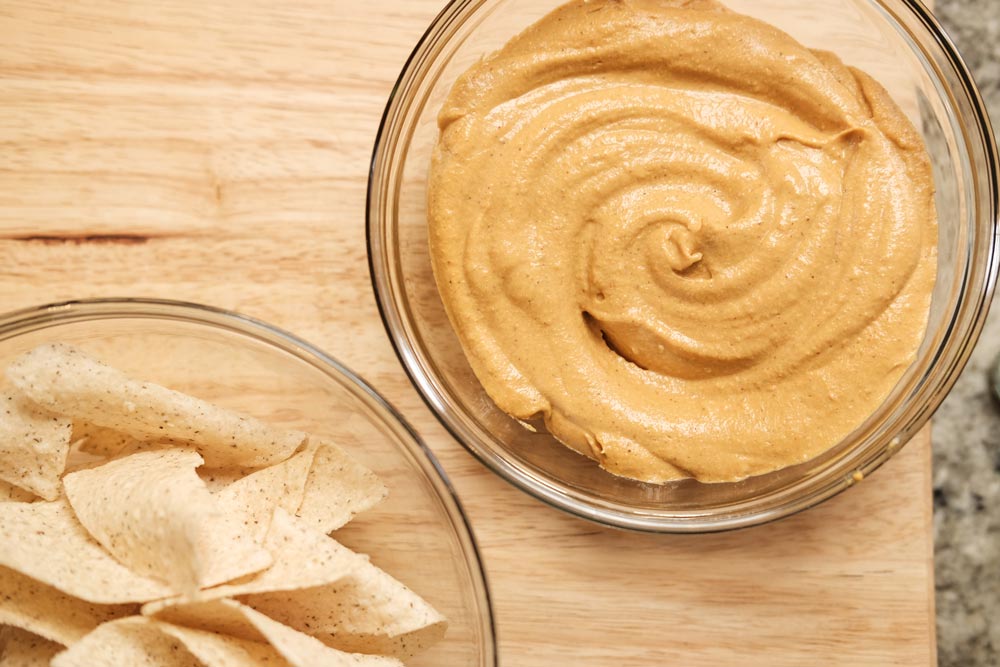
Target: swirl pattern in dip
[692,245]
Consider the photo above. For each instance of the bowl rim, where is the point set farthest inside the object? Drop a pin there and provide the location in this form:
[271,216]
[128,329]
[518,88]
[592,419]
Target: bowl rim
[14,322]
[615,518]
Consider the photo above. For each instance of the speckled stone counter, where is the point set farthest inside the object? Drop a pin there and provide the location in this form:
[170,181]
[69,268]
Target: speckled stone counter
[967,427]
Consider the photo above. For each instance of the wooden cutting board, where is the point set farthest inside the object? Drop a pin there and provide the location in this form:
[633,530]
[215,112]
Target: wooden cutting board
[218,151]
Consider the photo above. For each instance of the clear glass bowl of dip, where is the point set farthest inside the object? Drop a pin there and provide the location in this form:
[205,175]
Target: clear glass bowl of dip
[419,533]
[900,44]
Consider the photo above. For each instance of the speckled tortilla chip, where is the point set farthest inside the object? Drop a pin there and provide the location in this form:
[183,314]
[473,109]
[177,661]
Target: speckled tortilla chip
[322,484]
[13,494]
[337,489]
[368,611]
[300,649]
[98,440]
[128,642]
[297,649]
[215,650]
[154,515]
[210,614]
[81,460]
[303,558]
[66,381]
[286,647]
[33,446]
[19,648]
[322,588]
[55,549]
[254,497]
[45,611]
[217,479]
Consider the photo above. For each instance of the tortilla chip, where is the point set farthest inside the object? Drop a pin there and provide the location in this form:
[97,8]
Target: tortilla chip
[55,549]
[323,589]
[216,479]
[33,446]
[66,381]
[300,649]
[19,648]
[337,489]
[81,460]
[210,614]
[128,642]
[98,440]
[234,619]
[215,650]
[255,496]
[287,647]
[367,612]
[302,559]
[154,515]
[44,611]
[322,484]
[13,494]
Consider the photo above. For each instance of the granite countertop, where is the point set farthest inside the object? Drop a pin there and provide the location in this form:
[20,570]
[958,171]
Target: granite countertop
[966,429]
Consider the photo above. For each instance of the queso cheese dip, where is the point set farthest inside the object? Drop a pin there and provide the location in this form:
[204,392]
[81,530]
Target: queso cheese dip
[692,245]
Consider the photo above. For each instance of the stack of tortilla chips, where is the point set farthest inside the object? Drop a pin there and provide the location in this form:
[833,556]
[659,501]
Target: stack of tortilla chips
[128,557]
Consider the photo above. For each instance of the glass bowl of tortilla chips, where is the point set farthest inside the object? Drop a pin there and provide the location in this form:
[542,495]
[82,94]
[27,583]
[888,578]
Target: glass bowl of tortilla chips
[286,516]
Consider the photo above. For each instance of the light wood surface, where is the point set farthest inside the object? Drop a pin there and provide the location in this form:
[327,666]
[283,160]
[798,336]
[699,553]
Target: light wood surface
[218,151]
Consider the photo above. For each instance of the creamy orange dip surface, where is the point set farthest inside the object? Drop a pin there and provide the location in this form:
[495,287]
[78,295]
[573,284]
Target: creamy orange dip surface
[695,247]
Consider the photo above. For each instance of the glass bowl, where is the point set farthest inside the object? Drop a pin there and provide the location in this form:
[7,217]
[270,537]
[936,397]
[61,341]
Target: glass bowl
[419,533]
[901,45]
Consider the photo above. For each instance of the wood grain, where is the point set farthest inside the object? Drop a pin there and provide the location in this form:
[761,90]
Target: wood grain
[218,151]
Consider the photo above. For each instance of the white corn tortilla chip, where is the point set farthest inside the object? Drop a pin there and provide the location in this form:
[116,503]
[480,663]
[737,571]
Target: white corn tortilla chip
[337,489]
[81,460]
[321,484]
[303,558]
[254,497]
[55,549]
[33,446]
[19,648]
[216,650]
[217,479]
[154,515]
[42,610]
[321,588]
[234,619]
[286,648]
[367,612]
[211,615]
[98,440]
[13,494]
[128,642]
[301,650]
[63,379]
